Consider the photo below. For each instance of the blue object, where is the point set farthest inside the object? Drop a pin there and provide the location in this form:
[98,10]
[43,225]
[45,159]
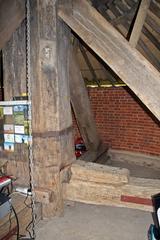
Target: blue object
[5,205]
[152,233]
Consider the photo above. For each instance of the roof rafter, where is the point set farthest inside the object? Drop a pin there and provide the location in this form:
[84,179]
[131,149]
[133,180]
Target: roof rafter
[141,76]
[139,22]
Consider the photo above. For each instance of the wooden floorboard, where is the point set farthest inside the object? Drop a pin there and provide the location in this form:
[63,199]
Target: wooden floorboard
[8,225]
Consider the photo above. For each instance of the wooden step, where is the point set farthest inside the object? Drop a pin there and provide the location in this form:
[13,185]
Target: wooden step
[104,185]
[93,172]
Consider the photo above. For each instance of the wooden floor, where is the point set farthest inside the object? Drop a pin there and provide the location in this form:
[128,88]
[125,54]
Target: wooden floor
[8,225]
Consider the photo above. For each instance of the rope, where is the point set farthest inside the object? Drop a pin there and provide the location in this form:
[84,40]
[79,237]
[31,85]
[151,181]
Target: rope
[30,146]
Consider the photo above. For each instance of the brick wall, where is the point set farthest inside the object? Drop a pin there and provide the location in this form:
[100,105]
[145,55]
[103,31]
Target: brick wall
[123,122]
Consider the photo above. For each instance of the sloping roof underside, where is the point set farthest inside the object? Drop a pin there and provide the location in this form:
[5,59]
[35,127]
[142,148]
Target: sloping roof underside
[121,14]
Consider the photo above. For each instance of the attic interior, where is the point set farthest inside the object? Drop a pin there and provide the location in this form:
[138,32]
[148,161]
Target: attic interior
[77,77]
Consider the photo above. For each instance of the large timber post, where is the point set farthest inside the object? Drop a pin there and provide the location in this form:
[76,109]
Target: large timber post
[14,62]
[83,112]
[14,79]
[51,111]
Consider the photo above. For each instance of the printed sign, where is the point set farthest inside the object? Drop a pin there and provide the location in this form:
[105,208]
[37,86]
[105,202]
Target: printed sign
[7,110]
[21,138]
[9,147]
[19,129]
[8,128]
[9,138]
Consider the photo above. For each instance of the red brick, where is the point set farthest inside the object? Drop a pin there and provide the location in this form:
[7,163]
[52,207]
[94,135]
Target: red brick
[123,121]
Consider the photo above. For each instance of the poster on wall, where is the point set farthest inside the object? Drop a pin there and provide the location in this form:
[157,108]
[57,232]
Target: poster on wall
[14,124]
[9,138]
[8,128]
[19,129]
[7,110]
[20,114]
[9,147]
[21,138]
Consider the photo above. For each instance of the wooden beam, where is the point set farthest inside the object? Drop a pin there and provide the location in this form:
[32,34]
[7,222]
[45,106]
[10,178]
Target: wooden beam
[155,8]
[132,195]
[149,54]
[150,20]
[1,76]
[142,47]
[54,130]
[110,45]
[12,12]
[151,37]
[93,172]
[82,109]
[127,15]
[139,22]
[14,76]
[102,7]
[121,6]
[104,185]
[53,146]
[14,64]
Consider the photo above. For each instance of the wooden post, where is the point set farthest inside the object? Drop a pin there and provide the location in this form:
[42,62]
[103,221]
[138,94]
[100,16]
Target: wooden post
[51,111]
[14,78]
[83,113]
